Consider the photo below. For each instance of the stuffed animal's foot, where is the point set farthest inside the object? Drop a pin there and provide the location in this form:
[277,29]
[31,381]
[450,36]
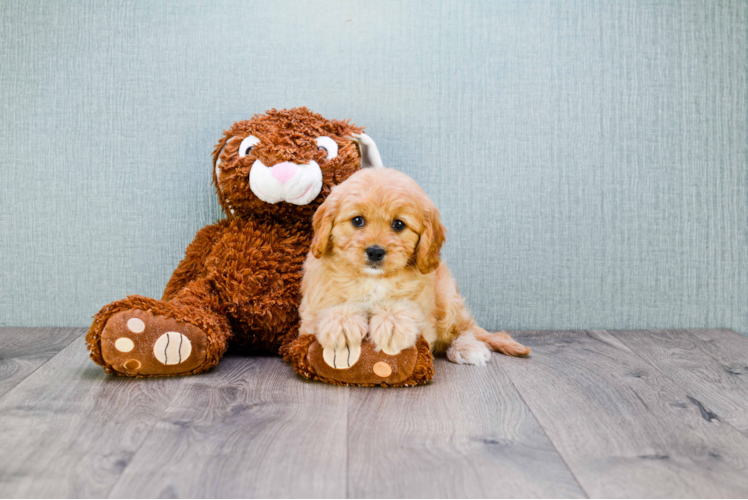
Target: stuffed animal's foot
[411,366]
[136,342]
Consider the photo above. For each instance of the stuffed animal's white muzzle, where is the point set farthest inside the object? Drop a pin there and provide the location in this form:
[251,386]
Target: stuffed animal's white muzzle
[289,182]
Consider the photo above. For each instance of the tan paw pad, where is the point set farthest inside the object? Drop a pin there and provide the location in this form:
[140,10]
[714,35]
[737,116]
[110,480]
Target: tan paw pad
[382,369]
[132,364]
[123,344]
[135,325]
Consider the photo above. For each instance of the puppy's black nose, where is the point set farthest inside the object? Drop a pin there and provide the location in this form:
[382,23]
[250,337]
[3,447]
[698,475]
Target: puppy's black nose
[375,253]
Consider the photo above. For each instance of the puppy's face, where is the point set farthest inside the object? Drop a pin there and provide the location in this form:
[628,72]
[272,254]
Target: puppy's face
[379,222]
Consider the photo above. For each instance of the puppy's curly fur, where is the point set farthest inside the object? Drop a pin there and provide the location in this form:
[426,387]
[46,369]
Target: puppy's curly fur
[374,271]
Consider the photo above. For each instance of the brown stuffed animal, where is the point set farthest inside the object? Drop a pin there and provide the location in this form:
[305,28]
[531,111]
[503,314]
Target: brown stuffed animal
[240,278]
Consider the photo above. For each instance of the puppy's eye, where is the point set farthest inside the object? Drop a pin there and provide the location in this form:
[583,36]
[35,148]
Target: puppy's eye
[330,146]
[398,225]
[247,145]
[358,221]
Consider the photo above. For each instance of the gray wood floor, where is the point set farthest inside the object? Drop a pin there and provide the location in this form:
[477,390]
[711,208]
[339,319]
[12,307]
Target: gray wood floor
[589,414]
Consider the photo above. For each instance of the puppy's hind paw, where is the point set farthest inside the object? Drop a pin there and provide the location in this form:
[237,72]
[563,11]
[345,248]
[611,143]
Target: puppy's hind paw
[467,350]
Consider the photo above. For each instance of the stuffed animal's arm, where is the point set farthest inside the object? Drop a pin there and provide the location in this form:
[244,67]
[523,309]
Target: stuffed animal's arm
[194,259]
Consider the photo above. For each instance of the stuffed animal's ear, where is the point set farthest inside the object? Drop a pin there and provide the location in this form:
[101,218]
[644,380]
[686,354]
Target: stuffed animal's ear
[370,156]
[324,219]
[430,243]
[217,157]
[217,152]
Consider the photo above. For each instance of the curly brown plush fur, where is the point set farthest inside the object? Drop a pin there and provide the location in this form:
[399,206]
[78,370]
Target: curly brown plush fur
[240,278]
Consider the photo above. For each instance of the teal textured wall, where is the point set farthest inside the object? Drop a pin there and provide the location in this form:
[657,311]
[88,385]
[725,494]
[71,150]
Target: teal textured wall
[589,158]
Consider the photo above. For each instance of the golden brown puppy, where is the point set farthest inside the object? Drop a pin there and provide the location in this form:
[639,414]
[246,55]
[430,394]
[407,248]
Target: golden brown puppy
[374,270]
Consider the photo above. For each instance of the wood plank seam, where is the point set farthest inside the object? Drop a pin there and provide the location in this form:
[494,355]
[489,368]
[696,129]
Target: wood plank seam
[623,425]
[5,394]
[250,428]
[522,397]
[142,443]
[347,442]
[706,412]
[145,440]
[453,439]
[72,363]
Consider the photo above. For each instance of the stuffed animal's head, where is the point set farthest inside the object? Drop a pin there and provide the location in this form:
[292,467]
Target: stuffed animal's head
[283,163]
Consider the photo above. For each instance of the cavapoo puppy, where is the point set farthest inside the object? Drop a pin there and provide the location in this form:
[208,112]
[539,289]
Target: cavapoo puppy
[374,271]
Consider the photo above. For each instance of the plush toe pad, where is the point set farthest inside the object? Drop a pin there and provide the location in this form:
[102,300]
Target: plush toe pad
[137,342]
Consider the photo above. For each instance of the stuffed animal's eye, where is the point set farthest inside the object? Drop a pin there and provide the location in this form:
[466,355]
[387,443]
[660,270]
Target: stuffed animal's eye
[247,144]
[358,221]
[398,225]
[328,145]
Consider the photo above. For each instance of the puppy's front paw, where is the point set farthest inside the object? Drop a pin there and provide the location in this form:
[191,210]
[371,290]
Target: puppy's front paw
[467,350]
[394,328]
[340,332]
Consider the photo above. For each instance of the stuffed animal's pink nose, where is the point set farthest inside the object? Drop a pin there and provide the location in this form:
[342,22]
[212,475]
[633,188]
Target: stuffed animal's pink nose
[283,171]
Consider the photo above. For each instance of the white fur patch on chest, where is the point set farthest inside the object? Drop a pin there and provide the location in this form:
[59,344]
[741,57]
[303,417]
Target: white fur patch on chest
[378,291]
[375,292]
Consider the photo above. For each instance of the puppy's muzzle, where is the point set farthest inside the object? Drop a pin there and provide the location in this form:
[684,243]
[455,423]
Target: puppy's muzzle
[375,254]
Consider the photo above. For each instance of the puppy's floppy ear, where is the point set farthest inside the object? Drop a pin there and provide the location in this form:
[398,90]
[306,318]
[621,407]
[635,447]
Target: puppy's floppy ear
[324,219]
[430,243]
